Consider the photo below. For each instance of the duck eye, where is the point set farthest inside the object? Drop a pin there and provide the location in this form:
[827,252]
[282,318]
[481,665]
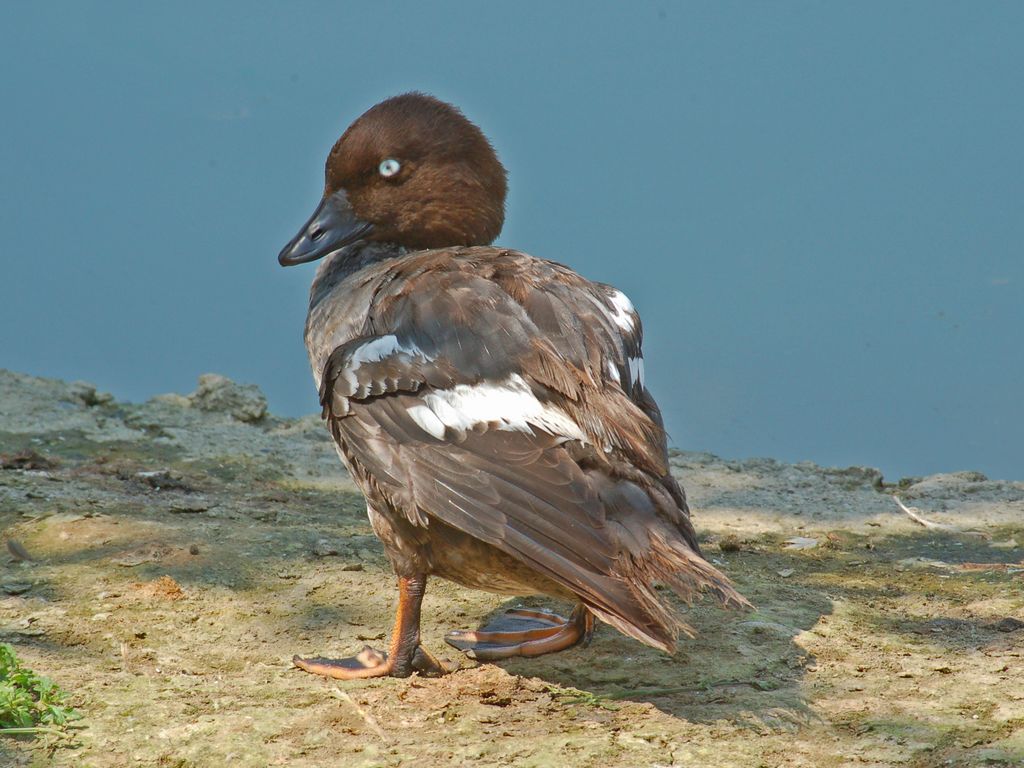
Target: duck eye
[389,167]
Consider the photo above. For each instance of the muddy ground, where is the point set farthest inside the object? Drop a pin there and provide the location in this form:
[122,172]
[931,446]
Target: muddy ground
[183,549]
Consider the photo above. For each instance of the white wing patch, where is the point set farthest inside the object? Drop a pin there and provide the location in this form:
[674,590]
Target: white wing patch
[613,372]
[372,351]
[427,420]
[636,370]
[508,404]
[384,346]
[623,311]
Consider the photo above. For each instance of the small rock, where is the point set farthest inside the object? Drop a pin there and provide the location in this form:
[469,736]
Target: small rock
[16,588]
[163,480]
[29,459]
[244,402]
[801,542]
[786,572]
[194,549]
[493,699]
[352,567]
[188,506]
[1009,624]
[86,393]
[323,548]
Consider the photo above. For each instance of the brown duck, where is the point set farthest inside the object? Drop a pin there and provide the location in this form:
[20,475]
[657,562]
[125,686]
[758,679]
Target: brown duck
[490,405]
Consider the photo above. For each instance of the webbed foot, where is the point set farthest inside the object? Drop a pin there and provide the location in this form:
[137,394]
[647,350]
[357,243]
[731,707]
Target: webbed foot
[370,662]
[524,632]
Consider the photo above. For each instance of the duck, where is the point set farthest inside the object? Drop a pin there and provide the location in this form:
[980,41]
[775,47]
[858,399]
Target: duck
[490,405]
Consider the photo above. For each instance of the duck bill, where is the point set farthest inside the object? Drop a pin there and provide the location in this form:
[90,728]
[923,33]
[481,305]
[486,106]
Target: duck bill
[332,226]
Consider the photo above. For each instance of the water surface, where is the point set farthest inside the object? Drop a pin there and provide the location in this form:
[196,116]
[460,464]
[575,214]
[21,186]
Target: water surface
[816,207]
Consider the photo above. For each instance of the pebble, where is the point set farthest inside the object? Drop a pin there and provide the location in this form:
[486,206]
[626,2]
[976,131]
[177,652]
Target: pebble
[801,542]
[188,506]
[324,548]
[1009,624]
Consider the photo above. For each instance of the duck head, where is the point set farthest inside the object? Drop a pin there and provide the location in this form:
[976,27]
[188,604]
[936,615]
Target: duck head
[412,171]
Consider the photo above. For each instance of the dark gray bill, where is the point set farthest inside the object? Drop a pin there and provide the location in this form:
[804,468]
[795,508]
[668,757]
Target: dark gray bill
[333,225]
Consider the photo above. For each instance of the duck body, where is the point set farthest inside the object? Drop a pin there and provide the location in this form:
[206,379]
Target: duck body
[490,405]
[344,308]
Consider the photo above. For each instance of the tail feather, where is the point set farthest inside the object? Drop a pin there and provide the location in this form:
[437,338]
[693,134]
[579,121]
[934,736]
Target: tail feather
[637,609]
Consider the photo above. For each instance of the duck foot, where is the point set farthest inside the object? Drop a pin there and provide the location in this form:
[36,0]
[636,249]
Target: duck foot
[524,632]
[405,654]
[370,662]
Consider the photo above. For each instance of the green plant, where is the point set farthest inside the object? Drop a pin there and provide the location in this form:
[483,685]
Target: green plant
[29,703]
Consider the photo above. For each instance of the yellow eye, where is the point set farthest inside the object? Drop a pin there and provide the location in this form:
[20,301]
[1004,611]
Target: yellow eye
[389,167]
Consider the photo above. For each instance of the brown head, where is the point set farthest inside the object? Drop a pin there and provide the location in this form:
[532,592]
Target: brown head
[412,171]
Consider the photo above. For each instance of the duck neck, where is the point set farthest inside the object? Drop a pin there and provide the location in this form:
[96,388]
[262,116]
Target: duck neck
[340,265]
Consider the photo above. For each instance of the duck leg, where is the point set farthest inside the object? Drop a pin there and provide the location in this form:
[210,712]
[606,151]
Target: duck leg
[404,655]
[525,632]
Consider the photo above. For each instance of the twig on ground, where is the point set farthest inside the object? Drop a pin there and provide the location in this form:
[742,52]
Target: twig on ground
[367,717]
[913,515]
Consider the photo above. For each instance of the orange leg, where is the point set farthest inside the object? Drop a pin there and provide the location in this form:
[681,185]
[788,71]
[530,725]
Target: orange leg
[525,632]
[404,655]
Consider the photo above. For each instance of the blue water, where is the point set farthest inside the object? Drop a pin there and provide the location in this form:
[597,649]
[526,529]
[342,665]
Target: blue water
[817,208]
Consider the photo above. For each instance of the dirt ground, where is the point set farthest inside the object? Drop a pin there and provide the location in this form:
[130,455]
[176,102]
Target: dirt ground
[183,549]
